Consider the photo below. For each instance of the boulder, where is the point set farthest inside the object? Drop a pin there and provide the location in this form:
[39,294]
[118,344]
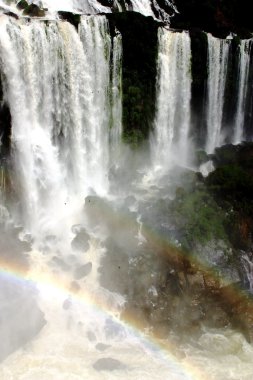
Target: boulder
[81,241]
[34,11]
[83,271]
[108,364]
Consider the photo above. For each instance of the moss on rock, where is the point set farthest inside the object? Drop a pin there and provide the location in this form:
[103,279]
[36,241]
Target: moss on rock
[72,18]
[139,38]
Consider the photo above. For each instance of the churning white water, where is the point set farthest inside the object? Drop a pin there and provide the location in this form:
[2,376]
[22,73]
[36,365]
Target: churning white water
[218,50]
[173,115]
[244,64]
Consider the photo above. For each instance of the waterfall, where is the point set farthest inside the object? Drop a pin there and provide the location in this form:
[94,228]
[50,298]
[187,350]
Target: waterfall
[243,75]
[94,33]
[116,94]
[172,121]
[151,8]
[58,90]
[217,70]
[247,263]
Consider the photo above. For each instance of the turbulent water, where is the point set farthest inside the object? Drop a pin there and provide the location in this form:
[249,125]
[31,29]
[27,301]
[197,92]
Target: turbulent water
[64,91]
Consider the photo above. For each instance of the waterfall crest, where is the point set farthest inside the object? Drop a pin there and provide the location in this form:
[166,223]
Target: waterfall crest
[152,8]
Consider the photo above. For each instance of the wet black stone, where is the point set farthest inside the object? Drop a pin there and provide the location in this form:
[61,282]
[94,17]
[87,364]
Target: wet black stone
[102,347]
[108,364]
[81,241]
[83,271]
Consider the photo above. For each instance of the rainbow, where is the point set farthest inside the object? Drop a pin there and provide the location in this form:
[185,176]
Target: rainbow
[58,285]
[46,281]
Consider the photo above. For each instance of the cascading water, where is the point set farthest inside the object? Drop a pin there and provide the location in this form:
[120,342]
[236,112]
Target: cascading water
[66,109]
[146,7]
[217,71]
[63,101]
[58,93]
[244,63]
[116,96]
[172,121]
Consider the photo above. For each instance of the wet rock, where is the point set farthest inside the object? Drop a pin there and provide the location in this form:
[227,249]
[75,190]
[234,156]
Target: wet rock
[108,364]
[34,10]
[83,271]
[81,240]
[113,328]
[12,249]
[72,18]
[102,347]
[11,14]
[60,263]
[67,304]
[21,319]
[22,4]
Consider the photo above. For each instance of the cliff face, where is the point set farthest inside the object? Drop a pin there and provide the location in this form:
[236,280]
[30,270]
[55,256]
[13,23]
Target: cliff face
[5,124]
[219,17]
[139,40]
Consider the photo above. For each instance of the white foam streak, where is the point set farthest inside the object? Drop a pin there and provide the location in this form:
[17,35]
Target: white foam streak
[172,122]
[116,96]
[244,63]
[217,71]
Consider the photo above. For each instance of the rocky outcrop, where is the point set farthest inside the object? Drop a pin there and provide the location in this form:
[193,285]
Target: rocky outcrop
[186,270]
[215,16]
[31,10]
[21,319]
[5,123]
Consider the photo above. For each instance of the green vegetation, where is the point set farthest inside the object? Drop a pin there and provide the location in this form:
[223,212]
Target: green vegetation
[233,184]
[22,4]
[32,10]
[139,39]
[5,124]
[198,218]
[219,207]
